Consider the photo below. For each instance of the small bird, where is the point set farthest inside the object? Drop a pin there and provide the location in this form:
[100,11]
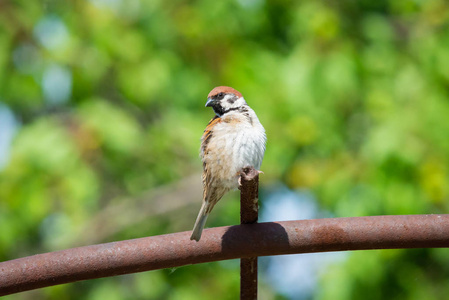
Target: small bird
[232,140]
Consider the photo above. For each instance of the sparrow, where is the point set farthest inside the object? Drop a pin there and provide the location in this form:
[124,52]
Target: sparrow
[232,140]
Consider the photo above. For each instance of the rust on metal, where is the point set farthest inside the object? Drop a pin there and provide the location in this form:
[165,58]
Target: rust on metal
[249,213]
[249,195]
[220,243]
[248,278]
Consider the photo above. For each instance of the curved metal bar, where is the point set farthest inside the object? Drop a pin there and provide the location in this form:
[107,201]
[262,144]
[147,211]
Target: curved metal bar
[243,241]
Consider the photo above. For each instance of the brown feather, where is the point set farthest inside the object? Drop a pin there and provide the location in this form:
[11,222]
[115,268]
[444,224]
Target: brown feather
[207,176]
[208,133]
[224,89]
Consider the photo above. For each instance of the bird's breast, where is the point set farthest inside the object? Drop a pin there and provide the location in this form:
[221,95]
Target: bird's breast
[233,145]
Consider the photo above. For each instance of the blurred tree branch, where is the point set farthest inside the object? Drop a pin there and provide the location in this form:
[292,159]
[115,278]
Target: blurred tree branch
[128,212]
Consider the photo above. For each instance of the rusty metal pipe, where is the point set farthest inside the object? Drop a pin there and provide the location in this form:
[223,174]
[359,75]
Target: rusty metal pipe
[249,214]
[243,241]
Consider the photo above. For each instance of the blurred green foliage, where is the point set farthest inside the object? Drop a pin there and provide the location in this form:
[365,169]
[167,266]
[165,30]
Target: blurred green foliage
[110,95]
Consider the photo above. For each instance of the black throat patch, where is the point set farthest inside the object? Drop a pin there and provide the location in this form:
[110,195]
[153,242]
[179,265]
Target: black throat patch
[220,111]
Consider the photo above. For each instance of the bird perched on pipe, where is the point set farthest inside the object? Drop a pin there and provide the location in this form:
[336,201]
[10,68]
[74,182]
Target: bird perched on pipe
[232,140]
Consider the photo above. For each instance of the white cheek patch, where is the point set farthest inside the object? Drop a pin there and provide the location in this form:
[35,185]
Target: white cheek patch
[227,97]
[232,104]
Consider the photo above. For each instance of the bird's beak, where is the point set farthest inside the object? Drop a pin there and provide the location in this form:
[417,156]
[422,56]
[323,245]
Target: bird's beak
[210,102]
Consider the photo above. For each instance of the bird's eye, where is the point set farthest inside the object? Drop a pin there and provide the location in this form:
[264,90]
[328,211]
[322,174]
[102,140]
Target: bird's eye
[220,95]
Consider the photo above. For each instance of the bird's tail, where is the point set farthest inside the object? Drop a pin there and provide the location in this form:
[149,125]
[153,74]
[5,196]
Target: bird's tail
[200,222]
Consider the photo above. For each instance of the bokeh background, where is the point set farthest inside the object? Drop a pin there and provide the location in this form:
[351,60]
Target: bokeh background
[102,108]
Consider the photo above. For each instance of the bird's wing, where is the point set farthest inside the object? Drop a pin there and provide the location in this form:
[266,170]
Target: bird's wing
[207,135]
[205,140]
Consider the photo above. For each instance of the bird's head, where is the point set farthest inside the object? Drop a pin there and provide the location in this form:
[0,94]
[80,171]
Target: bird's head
[224,99]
